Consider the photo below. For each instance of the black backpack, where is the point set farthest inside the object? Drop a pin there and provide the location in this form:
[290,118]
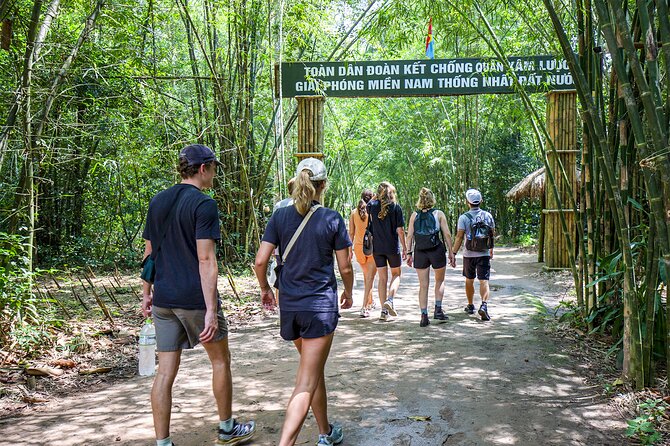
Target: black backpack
[481,234]
[426,231]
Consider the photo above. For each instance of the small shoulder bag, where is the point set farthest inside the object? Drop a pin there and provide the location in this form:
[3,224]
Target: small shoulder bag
[367,238]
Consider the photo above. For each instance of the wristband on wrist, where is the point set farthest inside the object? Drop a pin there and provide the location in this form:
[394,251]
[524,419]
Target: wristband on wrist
[409,253]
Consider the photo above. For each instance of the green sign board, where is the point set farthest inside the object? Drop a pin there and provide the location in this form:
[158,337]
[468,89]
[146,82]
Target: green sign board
[428,77]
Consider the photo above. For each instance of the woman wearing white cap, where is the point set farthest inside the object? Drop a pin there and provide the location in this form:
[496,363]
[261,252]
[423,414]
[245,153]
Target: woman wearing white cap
[307,234]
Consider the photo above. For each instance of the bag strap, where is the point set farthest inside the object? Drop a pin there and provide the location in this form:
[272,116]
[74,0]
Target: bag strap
[282,258]
[169,219]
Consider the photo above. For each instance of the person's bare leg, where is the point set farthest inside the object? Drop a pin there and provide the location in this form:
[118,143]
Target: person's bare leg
[382,284]
[470,290]
[369,271]
[161,392]
[313,356]
[424,281]
[319,400]
[222,381]
[483,290]
[439,284]
[395,282]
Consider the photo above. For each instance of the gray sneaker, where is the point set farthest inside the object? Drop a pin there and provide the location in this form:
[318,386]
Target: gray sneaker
[384,316]
[484,312]
[241,433]
[388,306]
[334,437]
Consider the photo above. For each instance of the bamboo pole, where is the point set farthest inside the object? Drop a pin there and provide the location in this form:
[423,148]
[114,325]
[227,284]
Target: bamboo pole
[632,367]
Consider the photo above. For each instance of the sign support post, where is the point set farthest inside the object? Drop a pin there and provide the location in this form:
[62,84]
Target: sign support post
[562,129]
[310,126]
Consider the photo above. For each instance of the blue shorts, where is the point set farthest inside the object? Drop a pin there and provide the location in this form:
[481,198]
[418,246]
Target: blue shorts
[477,266]
[306,324]
[392,260]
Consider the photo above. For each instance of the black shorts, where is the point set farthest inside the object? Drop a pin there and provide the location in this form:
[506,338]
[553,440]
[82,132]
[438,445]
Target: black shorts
[383,260]
[435,257]
[306,324]
[479,265]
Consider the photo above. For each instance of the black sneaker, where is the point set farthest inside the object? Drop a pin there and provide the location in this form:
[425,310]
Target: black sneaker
[424,320]
[469,308]
[439,315]
[484,313]
[241,433]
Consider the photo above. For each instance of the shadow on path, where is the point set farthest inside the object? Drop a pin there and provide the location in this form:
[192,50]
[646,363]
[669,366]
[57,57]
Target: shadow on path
[480,383]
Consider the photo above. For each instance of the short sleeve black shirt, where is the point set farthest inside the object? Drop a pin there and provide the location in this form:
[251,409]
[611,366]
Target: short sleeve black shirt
[385,231]
[177,282]
[307,281]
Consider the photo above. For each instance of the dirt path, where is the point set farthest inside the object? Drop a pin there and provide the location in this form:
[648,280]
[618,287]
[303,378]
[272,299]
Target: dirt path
[497,383]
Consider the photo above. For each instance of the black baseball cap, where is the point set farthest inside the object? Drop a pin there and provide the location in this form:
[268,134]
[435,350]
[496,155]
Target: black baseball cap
[196,154]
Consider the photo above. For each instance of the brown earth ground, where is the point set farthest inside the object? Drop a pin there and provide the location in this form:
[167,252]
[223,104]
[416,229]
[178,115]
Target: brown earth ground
[463,382]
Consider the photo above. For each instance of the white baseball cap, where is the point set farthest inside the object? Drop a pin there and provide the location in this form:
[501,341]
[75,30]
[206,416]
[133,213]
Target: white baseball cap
[315,166]
[473,196]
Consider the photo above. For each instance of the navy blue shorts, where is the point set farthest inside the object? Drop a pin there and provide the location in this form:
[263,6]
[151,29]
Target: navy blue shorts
[435,257]
[479,266]
[384,260]
[306,324]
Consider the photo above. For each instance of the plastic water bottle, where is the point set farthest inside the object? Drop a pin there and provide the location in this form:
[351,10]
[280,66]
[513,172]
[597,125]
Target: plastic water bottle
[147,359]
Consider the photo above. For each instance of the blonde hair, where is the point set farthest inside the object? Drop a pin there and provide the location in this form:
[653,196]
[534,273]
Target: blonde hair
[305,191]
[386,196]
[426,199]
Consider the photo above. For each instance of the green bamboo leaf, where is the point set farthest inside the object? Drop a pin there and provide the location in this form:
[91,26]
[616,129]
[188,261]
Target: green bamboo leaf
[636,204]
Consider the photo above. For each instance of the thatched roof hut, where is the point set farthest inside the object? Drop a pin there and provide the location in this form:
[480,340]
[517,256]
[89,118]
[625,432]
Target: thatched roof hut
[530,187]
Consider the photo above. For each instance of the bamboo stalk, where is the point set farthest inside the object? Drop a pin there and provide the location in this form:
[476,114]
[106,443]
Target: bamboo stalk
[111,296]
[632,353]
[59,303]
[231,281]
[79,298]
[103,307]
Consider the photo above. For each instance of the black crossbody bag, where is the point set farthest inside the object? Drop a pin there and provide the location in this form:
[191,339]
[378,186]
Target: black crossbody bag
[149,262]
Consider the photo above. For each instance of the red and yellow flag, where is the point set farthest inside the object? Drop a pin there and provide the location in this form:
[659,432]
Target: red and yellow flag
[430,49]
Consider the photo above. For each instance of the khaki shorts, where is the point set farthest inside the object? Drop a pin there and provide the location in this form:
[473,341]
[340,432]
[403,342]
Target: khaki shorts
[179,329]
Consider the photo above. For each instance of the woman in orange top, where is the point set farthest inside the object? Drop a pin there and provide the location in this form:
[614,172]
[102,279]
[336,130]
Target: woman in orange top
[358,221]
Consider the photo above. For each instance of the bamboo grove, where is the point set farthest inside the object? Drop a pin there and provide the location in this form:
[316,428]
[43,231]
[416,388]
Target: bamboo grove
[98,96]
[624,195]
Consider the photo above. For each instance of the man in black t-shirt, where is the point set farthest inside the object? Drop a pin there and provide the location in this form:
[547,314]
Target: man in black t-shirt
[183,299]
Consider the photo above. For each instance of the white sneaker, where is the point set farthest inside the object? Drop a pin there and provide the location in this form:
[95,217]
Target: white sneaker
[388,306]
[365,312]
[335,437]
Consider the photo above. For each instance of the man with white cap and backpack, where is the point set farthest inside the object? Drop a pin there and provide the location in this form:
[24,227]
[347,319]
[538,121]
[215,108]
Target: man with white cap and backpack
[477,227]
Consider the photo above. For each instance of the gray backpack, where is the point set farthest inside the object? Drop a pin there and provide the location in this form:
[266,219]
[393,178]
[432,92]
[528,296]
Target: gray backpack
[481,234]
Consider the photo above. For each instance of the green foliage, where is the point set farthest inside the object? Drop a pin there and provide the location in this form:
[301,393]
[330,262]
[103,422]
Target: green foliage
[644,427]
[25,319]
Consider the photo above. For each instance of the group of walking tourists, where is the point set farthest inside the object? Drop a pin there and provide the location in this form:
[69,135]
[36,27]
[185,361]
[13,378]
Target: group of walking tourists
[302,235]
[428,244]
